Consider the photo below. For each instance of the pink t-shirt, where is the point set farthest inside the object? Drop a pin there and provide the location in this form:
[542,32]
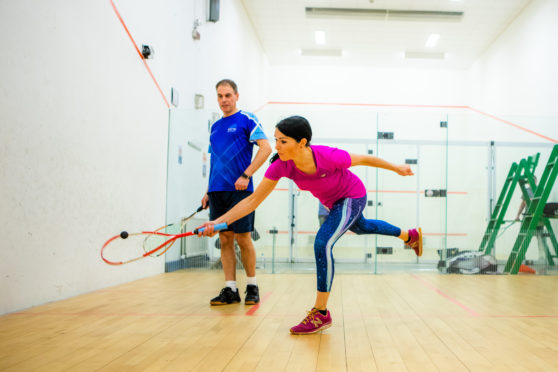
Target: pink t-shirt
[331,182]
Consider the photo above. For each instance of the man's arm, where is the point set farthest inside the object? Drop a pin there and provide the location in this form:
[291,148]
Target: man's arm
[263,153]
[261,156]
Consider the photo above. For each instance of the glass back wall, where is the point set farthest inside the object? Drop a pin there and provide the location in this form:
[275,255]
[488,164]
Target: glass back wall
[460,160]
[187,177]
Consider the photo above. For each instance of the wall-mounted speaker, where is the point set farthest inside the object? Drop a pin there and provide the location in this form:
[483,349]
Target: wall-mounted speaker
[213,10]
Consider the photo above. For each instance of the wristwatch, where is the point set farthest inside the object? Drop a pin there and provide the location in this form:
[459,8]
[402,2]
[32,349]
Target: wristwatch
[244,175]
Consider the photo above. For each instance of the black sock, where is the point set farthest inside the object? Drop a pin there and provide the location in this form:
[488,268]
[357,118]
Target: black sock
[408,240]
[323,312]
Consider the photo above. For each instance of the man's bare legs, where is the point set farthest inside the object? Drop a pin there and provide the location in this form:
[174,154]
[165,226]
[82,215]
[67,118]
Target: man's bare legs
[247,253]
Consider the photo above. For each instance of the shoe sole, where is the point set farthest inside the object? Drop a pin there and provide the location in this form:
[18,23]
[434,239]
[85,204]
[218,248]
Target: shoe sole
[223,303]
[322,328]
[251,302]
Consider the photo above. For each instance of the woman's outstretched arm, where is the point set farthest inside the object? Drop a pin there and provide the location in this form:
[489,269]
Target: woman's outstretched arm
[373,161]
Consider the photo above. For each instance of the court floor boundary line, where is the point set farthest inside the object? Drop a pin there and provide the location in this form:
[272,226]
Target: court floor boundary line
[443,294]
[255,307]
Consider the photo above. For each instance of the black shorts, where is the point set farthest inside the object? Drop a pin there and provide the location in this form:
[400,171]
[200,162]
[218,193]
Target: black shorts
[220,202]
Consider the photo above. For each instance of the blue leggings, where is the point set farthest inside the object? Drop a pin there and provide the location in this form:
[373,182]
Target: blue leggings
[346,214]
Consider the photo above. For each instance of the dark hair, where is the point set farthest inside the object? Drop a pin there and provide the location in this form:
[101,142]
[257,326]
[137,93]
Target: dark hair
[295,127]
[227,82]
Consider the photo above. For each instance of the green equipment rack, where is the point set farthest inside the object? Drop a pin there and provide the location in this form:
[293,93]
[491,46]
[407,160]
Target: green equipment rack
[534,213]
[514,176]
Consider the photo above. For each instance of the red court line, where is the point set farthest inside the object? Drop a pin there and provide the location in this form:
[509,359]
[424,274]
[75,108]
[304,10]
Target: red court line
[139,53]
[250,312]
[352,233]
[443,234]
[415,106]
[427,284]
[255,308]
[268,315]
[260,108]
[306,232]
[365,104]
[101,314]
[520,316]
[514,125]
[390,191]
[415,192]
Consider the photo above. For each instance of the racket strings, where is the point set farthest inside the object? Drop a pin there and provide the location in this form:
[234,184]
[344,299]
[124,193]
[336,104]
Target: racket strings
[153,241]
[118,250]
[123,250]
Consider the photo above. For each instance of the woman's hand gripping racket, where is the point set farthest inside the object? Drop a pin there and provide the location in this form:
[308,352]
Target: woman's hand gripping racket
[125,248]
[153,241]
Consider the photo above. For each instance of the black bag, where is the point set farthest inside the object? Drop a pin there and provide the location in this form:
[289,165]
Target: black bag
[470,262]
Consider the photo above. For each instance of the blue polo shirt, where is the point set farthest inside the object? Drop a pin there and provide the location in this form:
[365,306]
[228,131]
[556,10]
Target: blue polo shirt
[231,143]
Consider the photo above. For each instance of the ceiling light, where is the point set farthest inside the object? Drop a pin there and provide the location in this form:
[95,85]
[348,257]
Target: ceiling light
[319,36]
[424,55]
[432,40]
[384,14]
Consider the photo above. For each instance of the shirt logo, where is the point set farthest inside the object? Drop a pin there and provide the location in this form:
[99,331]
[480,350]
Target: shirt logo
[231,130]
[323,175]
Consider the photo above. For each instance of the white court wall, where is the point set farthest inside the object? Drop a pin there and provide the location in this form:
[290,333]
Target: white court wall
[516,77]
[83,132]
[228,48]
[515,80]
[368,85]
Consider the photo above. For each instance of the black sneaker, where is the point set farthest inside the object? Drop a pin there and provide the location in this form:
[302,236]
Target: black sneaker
[226,296]
[252,295]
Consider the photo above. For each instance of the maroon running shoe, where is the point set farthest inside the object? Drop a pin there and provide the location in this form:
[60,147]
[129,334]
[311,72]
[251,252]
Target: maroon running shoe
[314,322]
[415,240]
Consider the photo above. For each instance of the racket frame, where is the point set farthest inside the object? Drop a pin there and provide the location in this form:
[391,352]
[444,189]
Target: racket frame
[182,225]
[173,238]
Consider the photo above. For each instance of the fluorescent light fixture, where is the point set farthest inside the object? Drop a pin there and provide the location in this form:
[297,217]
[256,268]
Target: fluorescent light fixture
[424,55]
[384,14]
[319,36]
[432,40]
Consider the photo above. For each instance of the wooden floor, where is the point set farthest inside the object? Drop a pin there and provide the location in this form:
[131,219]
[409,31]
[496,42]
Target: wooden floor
[399,322]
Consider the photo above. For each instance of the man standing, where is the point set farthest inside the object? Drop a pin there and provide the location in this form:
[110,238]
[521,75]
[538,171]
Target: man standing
[230,180]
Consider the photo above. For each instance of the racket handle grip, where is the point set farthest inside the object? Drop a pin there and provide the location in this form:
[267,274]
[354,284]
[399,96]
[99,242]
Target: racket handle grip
[219,226]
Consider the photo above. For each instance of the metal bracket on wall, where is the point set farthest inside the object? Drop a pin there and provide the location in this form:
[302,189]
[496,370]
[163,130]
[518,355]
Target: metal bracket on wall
[433,193]
[384,250]
[385,135]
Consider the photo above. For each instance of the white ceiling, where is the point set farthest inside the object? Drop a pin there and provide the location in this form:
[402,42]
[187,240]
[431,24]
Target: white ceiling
[284,30]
